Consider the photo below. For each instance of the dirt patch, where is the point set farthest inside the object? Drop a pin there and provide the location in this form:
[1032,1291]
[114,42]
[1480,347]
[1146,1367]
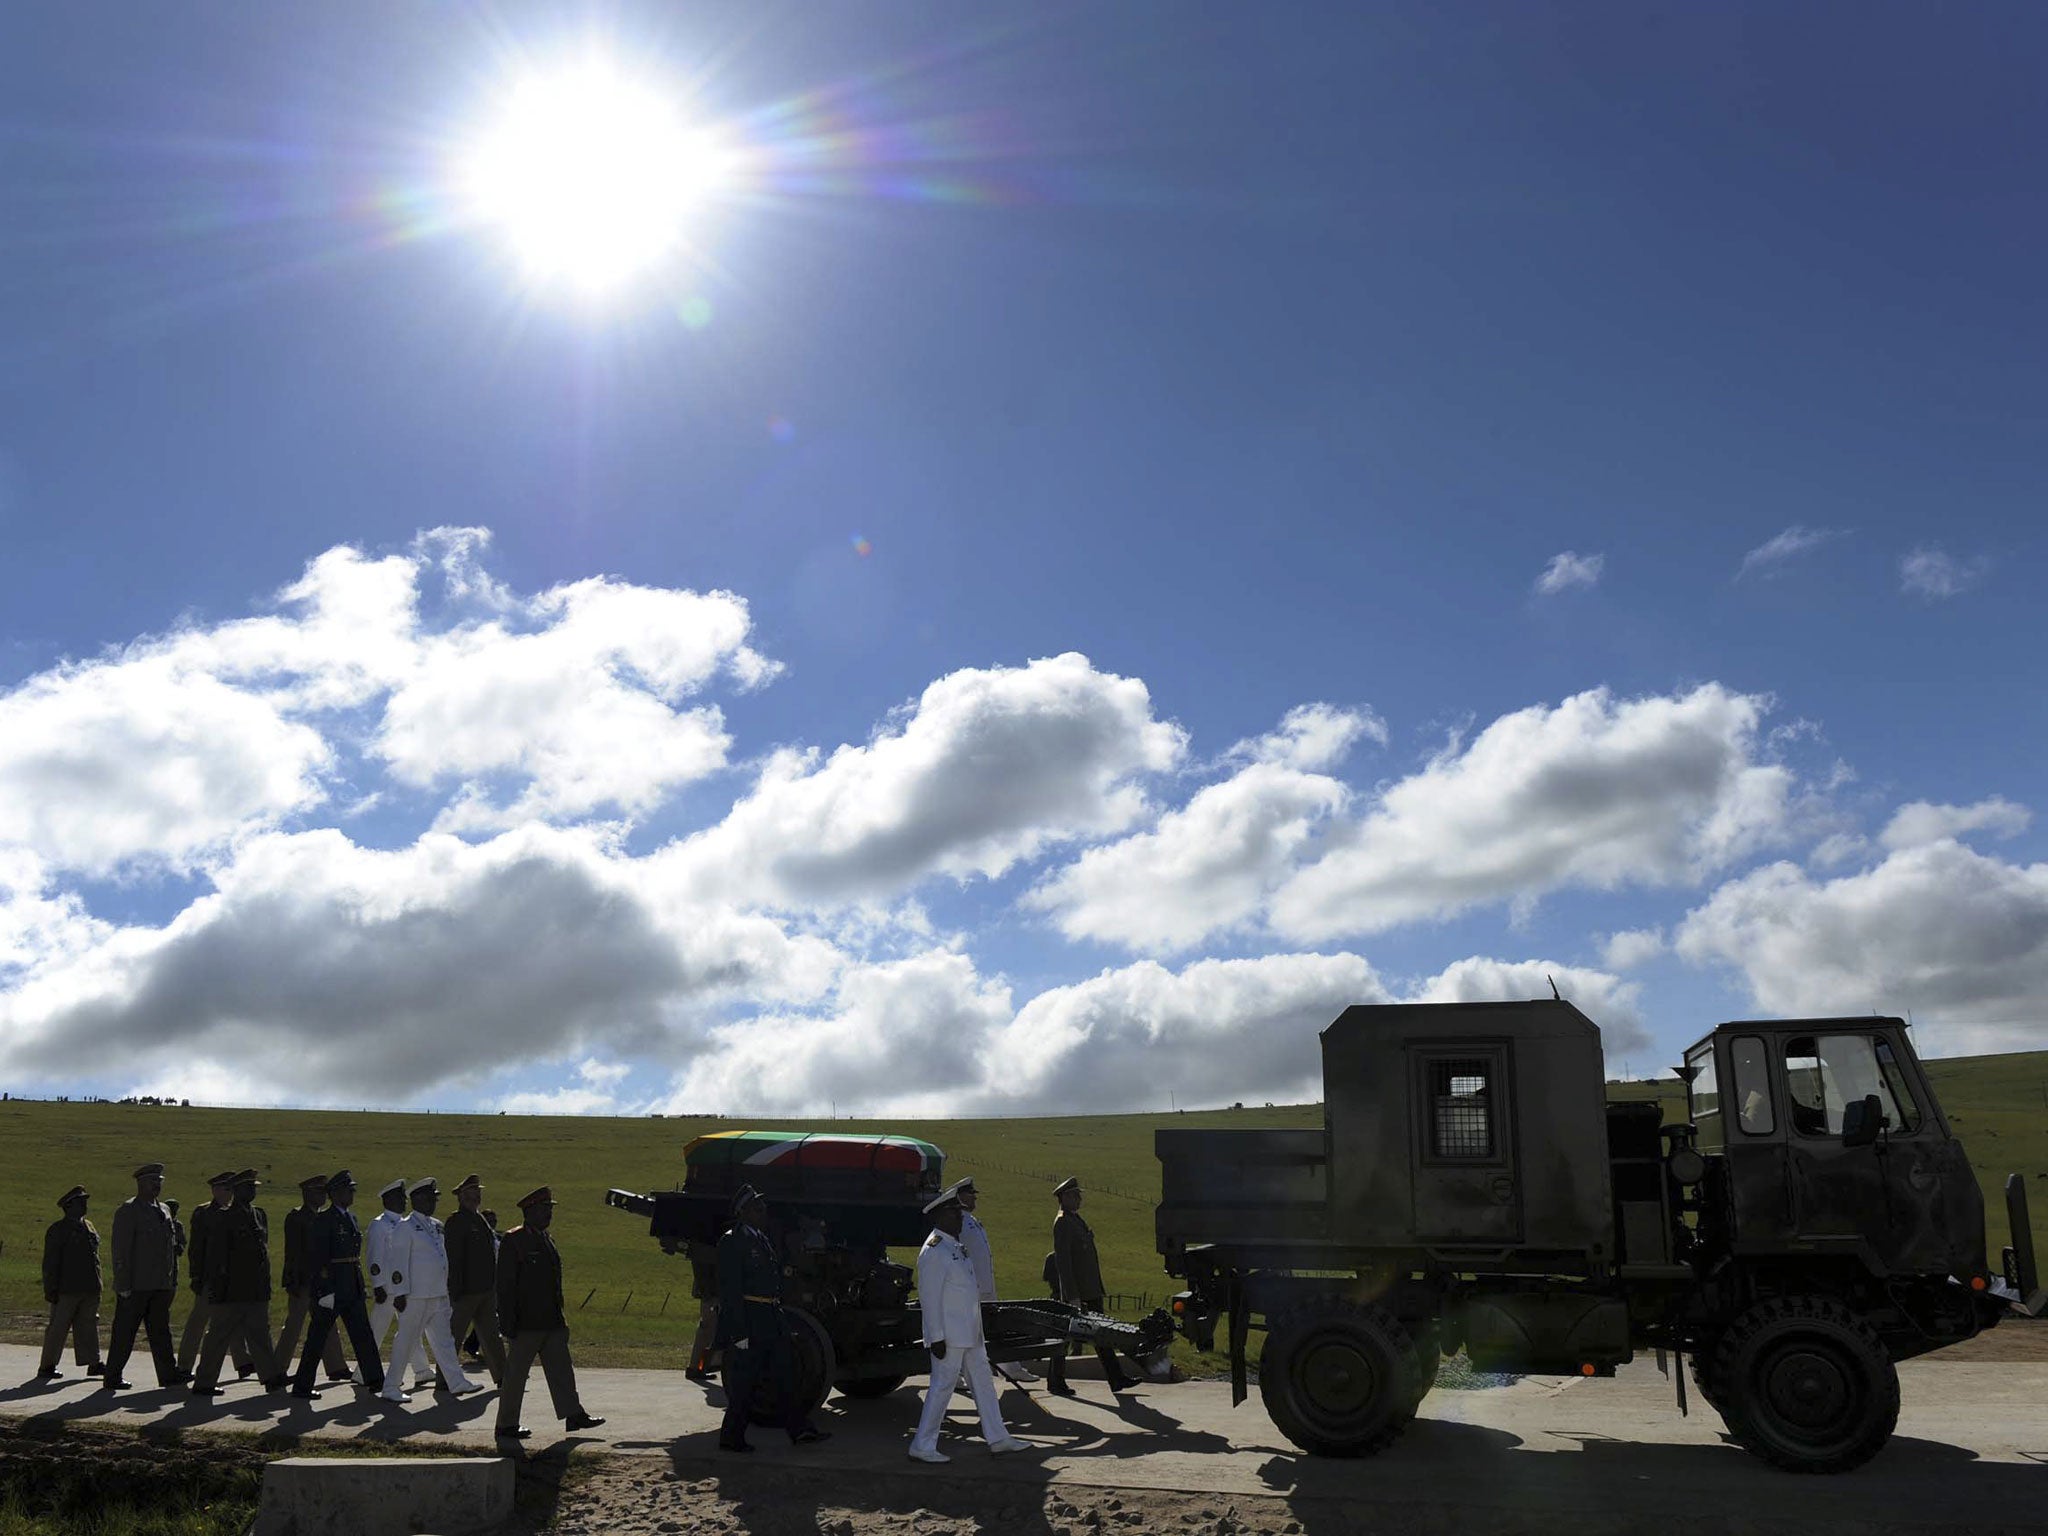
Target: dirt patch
[2017,1341]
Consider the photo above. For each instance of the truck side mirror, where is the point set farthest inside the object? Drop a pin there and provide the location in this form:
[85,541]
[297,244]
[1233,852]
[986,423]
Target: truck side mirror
[1862,1121]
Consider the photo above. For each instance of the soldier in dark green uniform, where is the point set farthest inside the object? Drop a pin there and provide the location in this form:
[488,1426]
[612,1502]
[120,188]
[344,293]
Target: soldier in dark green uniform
[752,1331]
[238,1289]
[334,1277]
[531,1317]
[1080,1281]
[473,1275]
[296,1282]
[71,1285]
[199,1231]
[145,1279]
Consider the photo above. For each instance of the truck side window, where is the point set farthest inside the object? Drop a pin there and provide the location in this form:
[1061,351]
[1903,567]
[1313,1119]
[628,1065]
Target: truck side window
[1752,1061]
[1461,1109]
[1807,1087]
[1826,1074]
[1705,1098]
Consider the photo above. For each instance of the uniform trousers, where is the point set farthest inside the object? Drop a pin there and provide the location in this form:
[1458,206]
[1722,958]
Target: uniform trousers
[151,1311]
[348,1312]
[295,1315]
[971,1359]
[479,1310]
[770,1355]
[76,1313]
[382,1315]
[552,1346]
[195,1335]
[247,1324]
[426,1318]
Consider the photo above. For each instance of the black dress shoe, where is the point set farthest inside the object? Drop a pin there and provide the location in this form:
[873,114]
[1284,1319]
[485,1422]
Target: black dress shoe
[209,1391]
[305,1392]
[176,1379]
[702,1378]
[514,1432]
[343,1377]
[244,1372]
[49,1376]
[582,1421]
[1059,1389]
[114,1384]
[810,1434]
[739,1447]
[97,1368]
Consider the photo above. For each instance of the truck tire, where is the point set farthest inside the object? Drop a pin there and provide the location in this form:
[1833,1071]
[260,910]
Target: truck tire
[1338,1377]
[816,1361]
[870,1387]
[1806,1384]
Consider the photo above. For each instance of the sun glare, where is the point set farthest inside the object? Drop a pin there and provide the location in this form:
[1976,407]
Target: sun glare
[592,176]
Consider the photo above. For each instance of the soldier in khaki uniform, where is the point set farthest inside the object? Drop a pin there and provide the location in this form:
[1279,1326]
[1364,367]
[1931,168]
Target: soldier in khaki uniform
[531,1317]
[473,1275]
[71,1285]
[297,1281]
[1080,1282]
[145,1279]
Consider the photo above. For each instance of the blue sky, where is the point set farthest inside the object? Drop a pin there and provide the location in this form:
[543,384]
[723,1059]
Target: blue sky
[1106,534]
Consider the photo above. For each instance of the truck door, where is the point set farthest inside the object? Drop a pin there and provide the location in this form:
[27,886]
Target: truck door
[1884,1194]
[1467,1187]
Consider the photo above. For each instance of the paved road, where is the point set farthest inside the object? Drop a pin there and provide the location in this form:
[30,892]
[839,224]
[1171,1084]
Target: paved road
[1971,1451]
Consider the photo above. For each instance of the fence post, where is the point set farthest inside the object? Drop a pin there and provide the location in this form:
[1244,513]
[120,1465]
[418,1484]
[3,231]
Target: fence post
[586,1300]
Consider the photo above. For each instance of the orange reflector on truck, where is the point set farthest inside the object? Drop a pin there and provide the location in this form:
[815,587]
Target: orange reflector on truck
[1978,1283]
[1586,1369]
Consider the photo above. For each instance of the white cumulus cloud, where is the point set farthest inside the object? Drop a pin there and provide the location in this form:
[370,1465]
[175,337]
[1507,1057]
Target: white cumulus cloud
[1932,573]
[1770,558]
[1626,950]
[1596,791]
[1570,569]
[1921,822]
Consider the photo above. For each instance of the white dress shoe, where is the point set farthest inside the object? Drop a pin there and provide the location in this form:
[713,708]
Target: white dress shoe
[932,1456]
[1005,1447]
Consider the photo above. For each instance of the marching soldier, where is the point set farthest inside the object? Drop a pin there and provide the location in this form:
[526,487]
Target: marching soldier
[704,1355]
[238,1291]
[473,1276]
[751,1328]
[423,1310]
[197,1258]
[145,1279]
[1080,1281]
[974,1238]
[297,1280]
[334,1276]
[71,1285]
[949,1300]
[532,1319]
[388,1278]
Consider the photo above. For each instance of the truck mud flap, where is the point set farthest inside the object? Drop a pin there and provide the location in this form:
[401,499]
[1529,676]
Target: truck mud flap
[1240,1328]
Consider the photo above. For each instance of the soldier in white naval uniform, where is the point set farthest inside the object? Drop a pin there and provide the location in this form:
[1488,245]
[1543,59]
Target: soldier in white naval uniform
[974,1238]
[388,1280]
[951,1305]
[420,1251]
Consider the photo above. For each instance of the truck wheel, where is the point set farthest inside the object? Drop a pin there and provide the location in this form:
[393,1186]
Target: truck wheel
[816,1361]
[871,1386]
[1806,1384]
[1338,1377]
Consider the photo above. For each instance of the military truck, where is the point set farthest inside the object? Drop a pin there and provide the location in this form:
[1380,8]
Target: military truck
[837,1205]
[1812,1221]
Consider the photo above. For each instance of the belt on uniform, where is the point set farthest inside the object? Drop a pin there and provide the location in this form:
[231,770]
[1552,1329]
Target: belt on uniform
[772,1301]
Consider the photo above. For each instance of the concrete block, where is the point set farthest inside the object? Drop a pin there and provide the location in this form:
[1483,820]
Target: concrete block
[383,1495]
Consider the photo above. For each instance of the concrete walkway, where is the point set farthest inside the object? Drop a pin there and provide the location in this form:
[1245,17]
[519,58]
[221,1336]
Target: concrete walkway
[1971,1448]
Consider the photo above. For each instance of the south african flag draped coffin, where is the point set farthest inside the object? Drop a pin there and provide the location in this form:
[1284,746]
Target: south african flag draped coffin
[864,1189]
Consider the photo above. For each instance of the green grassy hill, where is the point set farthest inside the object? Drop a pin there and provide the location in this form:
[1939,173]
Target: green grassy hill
[633,1303]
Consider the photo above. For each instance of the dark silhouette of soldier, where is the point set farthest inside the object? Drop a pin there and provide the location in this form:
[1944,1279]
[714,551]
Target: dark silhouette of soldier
[296,1282]
[1080,1281]
[334,1273]
[71,1285]
[145,1279]
[531,1317]
[752,1331]
[238,1290]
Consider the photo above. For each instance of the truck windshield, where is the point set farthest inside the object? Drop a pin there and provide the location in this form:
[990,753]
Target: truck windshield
[1826,1073]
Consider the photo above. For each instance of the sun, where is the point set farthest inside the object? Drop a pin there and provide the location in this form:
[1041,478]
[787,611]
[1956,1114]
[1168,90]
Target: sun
[591,175]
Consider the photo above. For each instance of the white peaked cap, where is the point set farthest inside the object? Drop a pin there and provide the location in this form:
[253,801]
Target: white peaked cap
[396,1186]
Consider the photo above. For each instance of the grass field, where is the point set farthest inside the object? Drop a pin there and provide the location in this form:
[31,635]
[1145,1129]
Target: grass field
[630,1304]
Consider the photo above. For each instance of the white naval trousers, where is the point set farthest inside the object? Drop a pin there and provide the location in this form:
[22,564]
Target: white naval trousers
[381,1314]
[945,1376]
[424,1323]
